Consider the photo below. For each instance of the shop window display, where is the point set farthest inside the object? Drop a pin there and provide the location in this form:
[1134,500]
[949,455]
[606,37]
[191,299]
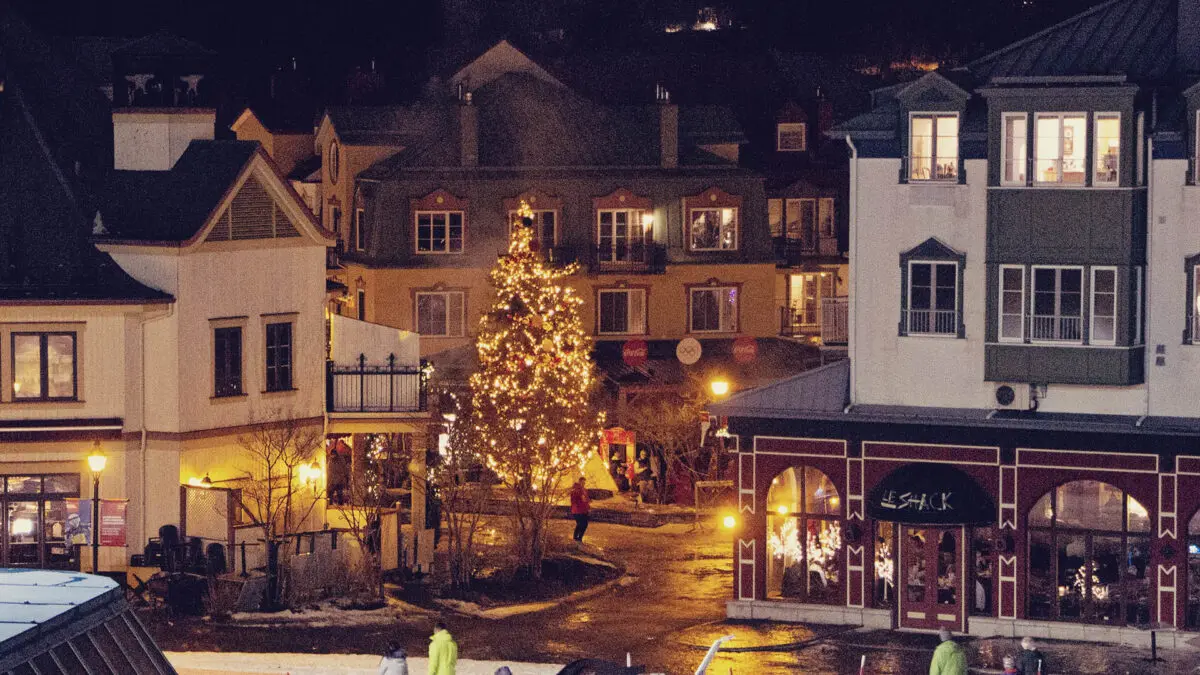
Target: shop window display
[804,542]
[885,564]
[1089,556]
[1193,572]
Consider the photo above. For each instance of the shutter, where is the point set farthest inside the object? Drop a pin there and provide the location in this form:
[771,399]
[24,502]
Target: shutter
[283,225]
[637,312]
[454,315]
[250,212]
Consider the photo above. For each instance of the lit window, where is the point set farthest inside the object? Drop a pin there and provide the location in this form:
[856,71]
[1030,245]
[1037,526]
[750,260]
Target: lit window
[1059,148]
[775,217]
[545,226]
[1108,149]
[1057,304]
[713,229]
[933,147]
[624,236]
[1012,303]
[439,231]
[440,314]
[802,221]
[713,310]
[622,312]
[279,356]
[932,299]
[791,137]
[1104,306]
[44,366]
[227,361]
[1015,149]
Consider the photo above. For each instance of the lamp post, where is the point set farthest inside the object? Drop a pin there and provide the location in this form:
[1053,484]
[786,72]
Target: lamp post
[96,462]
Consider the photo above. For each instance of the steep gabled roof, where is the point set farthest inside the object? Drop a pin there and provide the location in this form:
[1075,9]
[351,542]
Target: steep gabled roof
[386,125]
[1135,38]
[821,390]
[500,59]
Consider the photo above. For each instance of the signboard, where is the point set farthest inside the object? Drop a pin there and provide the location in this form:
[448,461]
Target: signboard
[745,349]
[930,493]
[78,530]
[688,351]
[634,353]
[619,436]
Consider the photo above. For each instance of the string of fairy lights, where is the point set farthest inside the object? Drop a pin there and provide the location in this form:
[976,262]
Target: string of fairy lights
[532,411]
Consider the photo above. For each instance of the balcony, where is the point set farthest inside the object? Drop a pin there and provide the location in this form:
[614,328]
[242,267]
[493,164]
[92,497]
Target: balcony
[828,321]
[1056,328]
[795,251]
[930,322]
[629,258]
[363,388]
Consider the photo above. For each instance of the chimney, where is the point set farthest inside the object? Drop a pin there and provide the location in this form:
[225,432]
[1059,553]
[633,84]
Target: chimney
[824,118]
[468,131]
[668,129]
[153,139]
[1187,37]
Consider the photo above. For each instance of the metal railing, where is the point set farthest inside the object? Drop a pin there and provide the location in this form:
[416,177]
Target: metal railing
[1056,328]
[931,322]
[364,388]
[624,257]
[835,321]
[795,321]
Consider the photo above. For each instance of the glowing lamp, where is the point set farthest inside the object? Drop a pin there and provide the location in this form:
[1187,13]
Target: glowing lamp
[729,522]
[782,510]
[647,221]
[206,482]
[21,526]
[719,387]
[194,481]
[97,460]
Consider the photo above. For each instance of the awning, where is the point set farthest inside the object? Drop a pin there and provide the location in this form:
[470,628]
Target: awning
[929,493]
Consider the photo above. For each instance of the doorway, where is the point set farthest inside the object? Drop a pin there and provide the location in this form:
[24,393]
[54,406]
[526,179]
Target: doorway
[932,560]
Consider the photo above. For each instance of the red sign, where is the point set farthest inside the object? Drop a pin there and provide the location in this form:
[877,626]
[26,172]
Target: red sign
[745,349]
[619,436]
[634,353]
[112,522]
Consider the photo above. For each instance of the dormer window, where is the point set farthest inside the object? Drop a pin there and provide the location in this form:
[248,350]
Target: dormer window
[933,147]
[1108,149]
[791,137]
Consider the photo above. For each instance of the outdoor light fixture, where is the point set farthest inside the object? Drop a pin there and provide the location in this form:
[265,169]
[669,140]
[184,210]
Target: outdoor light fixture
[647,220]
[206,482]
[96,462]
[729,522]
[782,510]
[719,387]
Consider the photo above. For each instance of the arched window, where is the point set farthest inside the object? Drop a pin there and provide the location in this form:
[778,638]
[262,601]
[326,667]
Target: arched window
[1089,555]
[804,537]
[1193,571]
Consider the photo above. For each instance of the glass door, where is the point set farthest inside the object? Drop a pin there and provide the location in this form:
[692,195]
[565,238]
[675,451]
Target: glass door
[932,562]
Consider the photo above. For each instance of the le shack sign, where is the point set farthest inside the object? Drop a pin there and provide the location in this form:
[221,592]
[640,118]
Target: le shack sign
[931,494]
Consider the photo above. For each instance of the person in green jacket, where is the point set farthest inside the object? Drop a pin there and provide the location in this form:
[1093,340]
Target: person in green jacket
[949,657]
[443,651]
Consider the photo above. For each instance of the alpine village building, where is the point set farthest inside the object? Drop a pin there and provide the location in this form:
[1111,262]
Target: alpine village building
[163,298]
[1013,446]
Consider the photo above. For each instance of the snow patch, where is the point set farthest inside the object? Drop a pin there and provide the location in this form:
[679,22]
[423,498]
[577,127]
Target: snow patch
[328,614]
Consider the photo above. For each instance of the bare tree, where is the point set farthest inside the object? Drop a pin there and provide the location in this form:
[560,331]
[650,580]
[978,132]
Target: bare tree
[671,423]
[463,490]
[378,466]
[272,491]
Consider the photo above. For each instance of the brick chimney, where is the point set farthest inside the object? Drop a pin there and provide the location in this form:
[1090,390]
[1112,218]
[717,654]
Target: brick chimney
[468,131]
[668,129]
[153,139]
[1187,37]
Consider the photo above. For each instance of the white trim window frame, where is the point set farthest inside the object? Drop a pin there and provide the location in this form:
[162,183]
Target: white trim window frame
[725,306]
[449,241]
[539,226]
[940,318]
[788,133]
[939,163]
[1014,150]
[1102,328]
[631,321]
[439,313]
[623,241]
[1011,324]
[1054,322]
[724,233]
[1050,164]
[1106,163]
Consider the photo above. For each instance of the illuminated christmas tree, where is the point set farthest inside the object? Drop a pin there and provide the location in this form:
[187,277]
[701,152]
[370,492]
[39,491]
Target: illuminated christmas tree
[533,417]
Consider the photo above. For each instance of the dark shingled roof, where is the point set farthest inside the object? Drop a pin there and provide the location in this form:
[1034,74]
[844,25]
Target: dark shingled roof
[387,124]
[172,205]
[821,390]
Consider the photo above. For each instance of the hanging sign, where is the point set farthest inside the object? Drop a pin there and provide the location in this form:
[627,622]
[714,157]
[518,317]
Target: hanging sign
[688,351]
[745,349]
[634,353]
[112,521]
[619,436]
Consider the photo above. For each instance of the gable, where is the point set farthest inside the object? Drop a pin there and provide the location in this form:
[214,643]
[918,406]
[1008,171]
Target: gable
[933,90]
[255,212]
[931,249]
[501,59]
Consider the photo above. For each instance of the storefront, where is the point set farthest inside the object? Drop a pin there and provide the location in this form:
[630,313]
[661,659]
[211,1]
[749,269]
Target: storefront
[1051,525]
[35,524]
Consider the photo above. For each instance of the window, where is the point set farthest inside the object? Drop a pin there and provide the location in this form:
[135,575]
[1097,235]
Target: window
[1057,304]
[791,137]
[279,356]
[804,537]
[1089,556]
[1108,149]
[545,226]
[713,310]
[335,161]
[622,235]
[34,515]
[1012,303]
[357,238]
[802,221]
[1104,306]
[713,229]
[1059,148]
[933,147]
[775,217]
[227,361]
[44,367]
[440,314]
[622,312]
[439,231]
[335,220]
[1015,149]
[362,304]
[932,299]
[825,216]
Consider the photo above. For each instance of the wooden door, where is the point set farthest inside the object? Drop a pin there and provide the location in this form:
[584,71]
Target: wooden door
[932,561]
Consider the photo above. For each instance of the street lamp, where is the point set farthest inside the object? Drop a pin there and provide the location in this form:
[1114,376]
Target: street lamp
[719,387]
[96,462]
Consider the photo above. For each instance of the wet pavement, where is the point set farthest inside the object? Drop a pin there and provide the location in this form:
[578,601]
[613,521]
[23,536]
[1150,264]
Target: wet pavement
[666,618]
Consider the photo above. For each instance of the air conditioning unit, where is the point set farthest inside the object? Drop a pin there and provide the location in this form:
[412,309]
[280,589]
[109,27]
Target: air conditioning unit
[1012,396]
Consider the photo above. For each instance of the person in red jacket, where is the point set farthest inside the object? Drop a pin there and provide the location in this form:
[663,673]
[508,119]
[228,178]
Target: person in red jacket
[580,506]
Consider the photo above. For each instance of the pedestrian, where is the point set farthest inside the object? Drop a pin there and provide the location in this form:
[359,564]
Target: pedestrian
[949,657]
[503,670]
[443,651]
[1010,666]
[1031,661]
[581,506]
[395,661]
